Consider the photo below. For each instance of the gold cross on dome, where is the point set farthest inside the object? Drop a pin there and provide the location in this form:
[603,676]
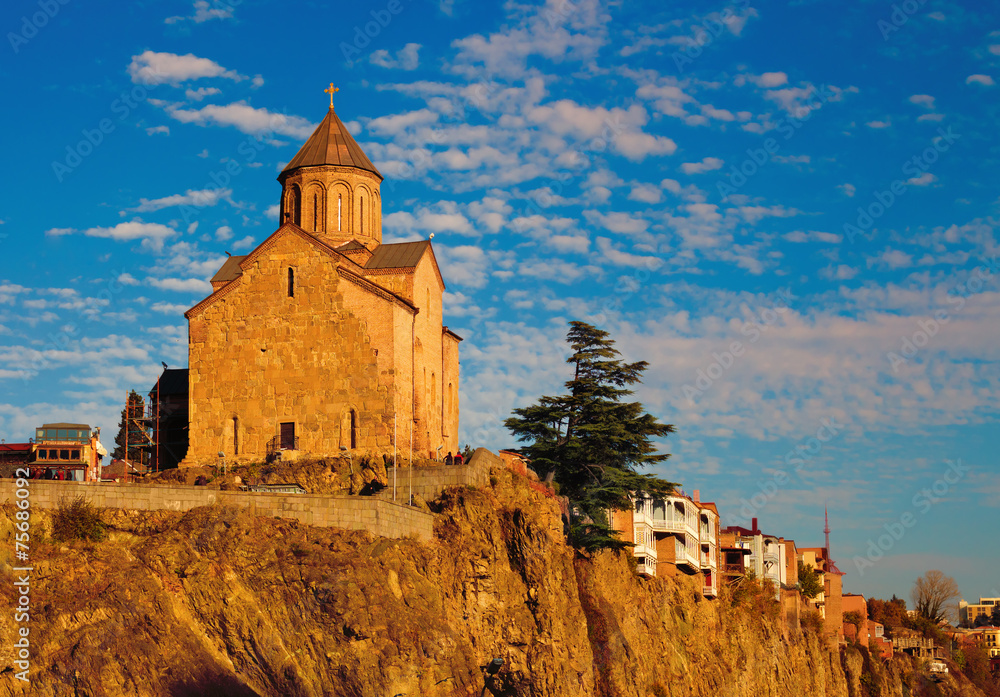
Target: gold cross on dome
[331,91]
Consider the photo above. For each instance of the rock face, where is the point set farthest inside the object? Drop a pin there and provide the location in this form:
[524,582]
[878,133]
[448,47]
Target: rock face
[218,602]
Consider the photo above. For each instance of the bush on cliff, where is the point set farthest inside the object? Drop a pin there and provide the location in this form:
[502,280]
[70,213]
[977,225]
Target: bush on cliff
[77,520]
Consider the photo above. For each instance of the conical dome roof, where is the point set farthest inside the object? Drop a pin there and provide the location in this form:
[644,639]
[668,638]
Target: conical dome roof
[331,144]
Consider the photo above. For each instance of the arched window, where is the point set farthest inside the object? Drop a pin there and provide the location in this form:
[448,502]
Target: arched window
[236,435]
[296,204]
[316,211]
[361,213]
[291,282]
[354,428]
[340,205]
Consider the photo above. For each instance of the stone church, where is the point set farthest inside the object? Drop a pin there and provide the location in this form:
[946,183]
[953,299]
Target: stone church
[319,337]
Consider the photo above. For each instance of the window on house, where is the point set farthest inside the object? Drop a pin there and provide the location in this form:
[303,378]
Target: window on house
[296,205]
[43,454]
[63,454]
[76,454]
[354,429]
[236,436]
[340,203]
[291,282]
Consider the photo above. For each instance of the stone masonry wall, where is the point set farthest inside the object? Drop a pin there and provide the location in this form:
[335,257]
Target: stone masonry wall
[378,516]
[259,357]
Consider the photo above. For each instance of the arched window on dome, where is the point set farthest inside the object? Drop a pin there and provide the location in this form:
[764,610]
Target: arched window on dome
[340,208]
[361,213]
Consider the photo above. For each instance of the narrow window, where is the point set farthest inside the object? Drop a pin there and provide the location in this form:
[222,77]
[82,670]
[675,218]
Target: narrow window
[291,282]
[316,212]
[354,429]
[76,455]
[236,436]
[296,205]
[362,214]
[340,201]
[63,454]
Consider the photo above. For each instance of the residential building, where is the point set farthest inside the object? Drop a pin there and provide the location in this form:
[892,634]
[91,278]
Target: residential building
[969,613]
[767,554]
[674,535]
[830,601]
[14,456]
[69,451]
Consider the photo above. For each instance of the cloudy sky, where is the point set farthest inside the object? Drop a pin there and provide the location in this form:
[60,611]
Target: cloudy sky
[787,209]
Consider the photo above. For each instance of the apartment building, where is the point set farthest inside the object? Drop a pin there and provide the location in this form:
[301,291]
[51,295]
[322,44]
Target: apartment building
[673,535]
[829,603]
[969,613]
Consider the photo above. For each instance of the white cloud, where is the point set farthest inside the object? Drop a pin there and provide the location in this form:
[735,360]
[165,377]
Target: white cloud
[272,211]
[878,124]
[622,127]
[170,308]
[200,93]
[152,68]
[812,236]
[406,58]
[126,279]
[158,129]
[153,234]
[467,265]
[842,272]
[199,198]
[891,259]
[768,80]
[444,216]
[622,223]
[847,189]
[185,285]
[246,118]
[646,193]
[224,233]
[244,243]
[924,179]
[930,117]
[706,165]
[979,79]
[203,12]
[924,100]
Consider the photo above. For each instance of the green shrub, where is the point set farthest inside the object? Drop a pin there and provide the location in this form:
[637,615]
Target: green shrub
[77,520]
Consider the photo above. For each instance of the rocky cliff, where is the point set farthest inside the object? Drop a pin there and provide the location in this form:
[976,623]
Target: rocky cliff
[218,602]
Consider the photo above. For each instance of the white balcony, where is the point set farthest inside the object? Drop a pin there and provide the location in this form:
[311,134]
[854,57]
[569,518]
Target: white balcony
[646,566]
[709,591]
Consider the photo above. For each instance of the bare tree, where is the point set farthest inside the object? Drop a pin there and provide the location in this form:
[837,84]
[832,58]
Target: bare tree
[932,593]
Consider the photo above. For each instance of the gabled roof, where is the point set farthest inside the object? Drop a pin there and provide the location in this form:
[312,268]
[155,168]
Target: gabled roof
[401,255]
[172,381]
[331,144]
[229,271]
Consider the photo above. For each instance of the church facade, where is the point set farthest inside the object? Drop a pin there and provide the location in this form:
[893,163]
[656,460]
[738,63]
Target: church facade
[323,338]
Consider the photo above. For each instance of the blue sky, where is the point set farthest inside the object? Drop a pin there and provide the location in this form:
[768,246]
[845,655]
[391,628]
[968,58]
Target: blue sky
[787,210]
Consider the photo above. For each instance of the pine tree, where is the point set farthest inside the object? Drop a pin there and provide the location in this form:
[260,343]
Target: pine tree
[138,434]
[592,440]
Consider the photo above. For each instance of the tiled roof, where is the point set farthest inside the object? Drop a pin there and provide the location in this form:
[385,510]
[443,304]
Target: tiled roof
[402,255]
[331,144]
[229,270]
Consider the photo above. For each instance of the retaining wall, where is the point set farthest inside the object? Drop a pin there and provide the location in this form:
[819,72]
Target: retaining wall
[429,482]
[377,515]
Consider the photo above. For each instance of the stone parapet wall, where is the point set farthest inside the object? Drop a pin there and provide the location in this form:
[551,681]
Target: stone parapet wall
[377,515]
[429,482]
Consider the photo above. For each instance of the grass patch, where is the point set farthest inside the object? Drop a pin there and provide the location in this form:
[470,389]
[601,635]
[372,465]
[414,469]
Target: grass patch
[77,520]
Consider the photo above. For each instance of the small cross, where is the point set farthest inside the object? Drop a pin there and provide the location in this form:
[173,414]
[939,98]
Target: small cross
[330,91]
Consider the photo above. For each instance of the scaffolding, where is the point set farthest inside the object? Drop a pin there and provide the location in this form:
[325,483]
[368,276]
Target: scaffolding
[140,421]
